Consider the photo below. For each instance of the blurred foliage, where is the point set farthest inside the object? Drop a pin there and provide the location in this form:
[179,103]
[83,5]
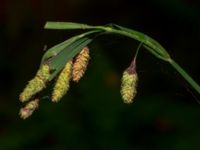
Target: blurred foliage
[92,115]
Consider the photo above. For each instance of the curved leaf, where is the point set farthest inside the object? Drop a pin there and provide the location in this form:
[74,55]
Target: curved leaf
[146,40]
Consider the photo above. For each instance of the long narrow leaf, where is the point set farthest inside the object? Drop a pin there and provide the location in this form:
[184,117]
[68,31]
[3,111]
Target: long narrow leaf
[59,47]
[146,39]
[154,52]
[65,25]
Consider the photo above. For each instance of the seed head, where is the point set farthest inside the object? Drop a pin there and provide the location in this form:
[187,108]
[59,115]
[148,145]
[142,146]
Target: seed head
[37,84]
[129,84]
[28,110]
[80,64]
[62,84]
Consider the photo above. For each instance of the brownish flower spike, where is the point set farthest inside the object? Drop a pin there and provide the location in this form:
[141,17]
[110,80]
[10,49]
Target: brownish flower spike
[80,64]
[28,110]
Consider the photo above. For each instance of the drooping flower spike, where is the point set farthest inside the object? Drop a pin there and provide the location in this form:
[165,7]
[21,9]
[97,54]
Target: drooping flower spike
[37,84]
[62,83]
[129,83]
[29,108]
[80,64]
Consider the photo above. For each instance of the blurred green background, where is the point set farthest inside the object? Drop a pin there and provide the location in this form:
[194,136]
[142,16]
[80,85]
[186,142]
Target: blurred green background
[165,115]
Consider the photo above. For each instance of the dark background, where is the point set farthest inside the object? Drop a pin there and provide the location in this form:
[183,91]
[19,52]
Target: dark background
[165,114]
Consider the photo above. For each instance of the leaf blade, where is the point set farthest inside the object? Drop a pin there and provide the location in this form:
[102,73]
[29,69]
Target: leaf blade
[53,51]
[146,40]
[65,25]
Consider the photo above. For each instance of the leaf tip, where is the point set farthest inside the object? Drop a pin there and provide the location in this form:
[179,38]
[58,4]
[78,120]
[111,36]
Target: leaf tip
[46,26]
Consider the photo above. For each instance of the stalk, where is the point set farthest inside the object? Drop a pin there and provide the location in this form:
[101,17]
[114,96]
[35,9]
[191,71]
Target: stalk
[185,75]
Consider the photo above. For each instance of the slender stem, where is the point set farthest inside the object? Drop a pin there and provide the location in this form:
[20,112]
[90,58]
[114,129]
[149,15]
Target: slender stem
[136,54]
[185,75]
[138,48]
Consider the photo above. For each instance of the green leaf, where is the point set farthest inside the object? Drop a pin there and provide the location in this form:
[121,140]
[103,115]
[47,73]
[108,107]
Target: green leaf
[154,53]
[59,47]
[138,35]
[65,25]
[150,42]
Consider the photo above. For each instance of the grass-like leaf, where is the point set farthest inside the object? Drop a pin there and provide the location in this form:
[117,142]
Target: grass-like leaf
[145,39]
[65,25]
[53,51]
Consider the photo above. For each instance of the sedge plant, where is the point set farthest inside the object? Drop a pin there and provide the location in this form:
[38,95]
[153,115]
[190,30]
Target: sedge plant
[67,61]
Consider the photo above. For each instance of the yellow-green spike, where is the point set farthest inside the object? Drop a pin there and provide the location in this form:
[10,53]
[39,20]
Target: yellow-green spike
[129,83]
[80,64]
[37,84]
[28,110]
[62,84]
[129,86]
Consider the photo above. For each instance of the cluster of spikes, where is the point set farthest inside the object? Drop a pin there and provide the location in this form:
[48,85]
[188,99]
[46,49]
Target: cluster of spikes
[73,70]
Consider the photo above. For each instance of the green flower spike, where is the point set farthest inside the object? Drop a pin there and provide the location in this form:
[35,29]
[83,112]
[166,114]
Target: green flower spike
[62,84]
[28,110]
[129,84]
[37,84]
